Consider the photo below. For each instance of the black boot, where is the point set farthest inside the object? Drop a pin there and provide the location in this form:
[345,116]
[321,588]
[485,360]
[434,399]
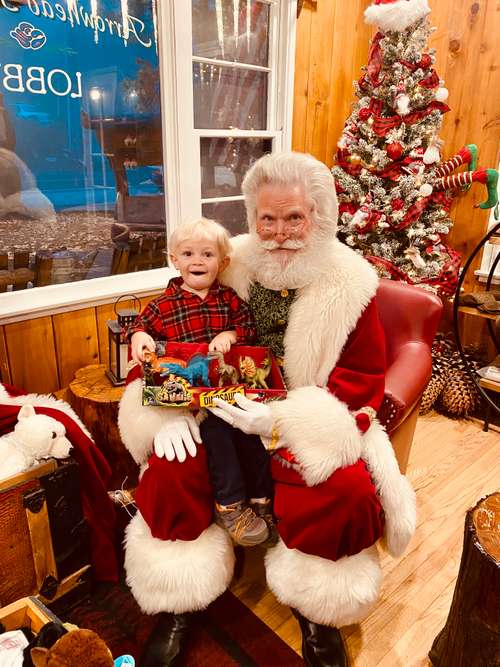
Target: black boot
[167,640]
[322,646]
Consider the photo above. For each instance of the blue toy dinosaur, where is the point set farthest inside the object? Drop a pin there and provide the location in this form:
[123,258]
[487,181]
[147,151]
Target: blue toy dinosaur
[196,372]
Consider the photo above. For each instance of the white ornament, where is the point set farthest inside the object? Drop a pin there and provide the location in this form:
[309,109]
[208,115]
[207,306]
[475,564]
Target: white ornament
[359,218]
[415,258]
[431,155]
[403,104]
[425,190]
[342,142]
[442,94]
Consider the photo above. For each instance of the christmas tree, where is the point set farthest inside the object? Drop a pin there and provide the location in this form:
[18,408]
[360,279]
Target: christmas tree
[394,192]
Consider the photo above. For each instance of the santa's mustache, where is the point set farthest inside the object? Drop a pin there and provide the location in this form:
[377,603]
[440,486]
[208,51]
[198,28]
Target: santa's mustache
[290,244]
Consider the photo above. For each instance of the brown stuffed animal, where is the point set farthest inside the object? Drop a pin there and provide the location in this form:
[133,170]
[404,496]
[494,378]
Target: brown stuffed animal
[74,649]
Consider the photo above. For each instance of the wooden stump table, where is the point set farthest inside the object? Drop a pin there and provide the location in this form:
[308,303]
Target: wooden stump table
[471,635]
[95,400]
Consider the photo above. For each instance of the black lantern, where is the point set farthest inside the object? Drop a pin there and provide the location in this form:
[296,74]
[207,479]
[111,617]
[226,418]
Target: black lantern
[118,346]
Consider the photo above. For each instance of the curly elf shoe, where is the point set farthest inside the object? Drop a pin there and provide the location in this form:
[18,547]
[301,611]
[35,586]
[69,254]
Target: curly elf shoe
[322,646]
[166,642]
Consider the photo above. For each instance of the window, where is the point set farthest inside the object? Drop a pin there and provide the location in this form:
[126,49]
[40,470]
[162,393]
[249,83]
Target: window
[120,118]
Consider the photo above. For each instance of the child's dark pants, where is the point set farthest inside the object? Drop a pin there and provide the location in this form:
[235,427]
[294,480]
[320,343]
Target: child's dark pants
[238,463]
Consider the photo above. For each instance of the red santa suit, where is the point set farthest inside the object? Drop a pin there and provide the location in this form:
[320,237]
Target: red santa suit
[338,488]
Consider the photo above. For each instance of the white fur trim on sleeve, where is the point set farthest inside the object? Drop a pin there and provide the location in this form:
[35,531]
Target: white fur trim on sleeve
[319,430]
[396,16]
[394,490]
[176,576]
[138,424]
[329,592]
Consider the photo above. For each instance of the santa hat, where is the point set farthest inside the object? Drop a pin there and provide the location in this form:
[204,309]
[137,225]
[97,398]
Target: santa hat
[396,15]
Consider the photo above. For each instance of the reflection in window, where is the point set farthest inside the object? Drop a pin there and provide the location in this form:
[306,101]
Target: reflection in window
[231,214]
[81,164]
[225,161]
[236,31]
[229,97]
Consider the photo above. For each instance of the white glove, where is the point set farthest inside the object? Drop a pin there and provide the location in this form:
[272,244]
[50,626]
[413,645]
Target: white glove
[176,437]
[138,342]
[249,417]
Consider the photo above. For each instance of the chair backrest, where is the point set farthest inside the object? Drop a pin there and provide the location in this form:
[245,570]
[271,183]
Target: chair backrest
[407,313]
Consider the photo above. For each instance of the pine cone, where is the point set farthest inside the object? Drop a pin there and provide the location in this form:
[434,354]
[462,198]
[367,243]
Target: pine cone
[432,392]
[460,397]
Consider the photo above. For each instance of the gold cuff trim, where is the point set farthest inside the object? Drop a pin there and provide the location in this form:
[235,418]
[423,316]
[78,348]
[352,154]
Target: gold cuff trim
[275,436]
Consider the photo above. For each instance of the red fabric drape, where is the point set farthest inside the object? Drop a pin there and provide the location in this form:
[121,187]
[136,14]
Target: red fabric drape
[94,474]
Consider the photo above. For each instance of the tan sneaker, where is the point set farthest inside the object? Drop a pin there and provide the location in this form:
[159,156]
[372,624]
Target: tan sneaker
[241,523]
[264,510]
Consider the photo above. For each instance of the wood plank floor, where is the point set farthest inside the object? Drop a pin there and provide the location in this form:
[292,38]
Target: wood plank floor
[452,465]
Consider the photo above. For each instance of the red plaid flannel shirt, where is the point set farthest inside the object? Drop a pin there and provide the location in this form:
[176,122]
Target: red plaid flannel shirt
[183,316]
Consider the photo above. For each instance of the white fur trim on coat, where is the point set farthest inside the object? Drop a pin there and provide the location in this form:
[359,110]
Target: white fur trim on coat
[176,576]
[396,16]
[334,441]
[42,401]
[323,313]
[394,490]
[138,424]
[332,593]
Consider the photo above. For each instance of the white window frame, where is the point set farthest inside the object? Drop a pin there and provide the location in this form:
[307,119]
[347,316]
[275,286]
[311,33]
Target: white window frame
[181,151]
[490,251]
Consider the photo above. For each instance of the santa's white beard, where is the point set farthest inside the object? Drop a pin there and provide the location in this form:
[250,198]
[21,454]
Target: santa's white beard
[277,271]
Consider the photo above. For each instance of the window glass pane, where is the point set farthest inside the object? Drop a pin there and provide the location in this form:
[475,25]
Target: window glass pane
[224,163]
[81,164]
[231,214]
[236,30]
[229,97]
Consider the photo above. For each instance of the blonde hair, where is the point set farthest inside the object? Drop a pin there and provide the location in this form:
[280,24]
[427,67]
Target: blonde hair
[201,229]
[292,168]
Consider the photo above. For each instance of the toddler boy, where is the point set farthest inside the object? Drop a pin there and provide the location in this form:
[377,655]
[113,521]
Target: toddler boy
[196,308]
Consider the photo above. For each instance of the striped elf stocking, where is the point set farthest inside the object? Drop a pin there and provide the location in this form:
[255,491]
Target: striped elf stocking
[488,177]
[466,155]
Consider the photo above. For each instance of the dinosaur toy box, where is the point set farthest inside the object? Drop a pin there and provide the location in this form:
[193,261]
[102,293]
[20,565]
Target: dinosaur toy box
[188,375]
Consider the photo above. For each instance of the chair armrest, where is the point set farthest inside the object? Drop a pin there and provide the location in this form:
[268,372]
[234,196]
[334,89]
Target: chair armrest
[405,381]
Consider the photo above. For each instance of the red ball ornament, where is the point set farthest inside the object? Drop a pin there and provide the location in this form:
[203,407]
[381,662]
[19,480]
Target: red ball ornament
[397,204]
[426,61]
[394,150]
[364,113]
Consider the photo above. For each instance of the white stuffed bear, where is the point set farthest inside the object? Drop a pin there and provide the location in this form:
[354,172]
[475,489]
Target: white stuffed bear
[34,437]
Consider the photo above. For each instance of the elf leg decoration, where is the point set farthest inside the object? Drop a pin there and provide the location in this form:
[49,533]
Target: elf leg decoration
[488,177]
[466,155]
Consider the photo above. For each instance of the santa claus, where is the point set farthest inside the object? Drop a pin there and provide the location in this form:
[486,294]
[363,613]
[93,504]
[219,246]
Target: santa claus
[338,488]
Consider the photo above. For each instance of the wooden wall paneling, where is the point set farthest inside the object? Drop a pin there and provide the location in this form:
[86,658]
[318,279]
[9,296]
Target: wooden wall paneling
[349,29]
[471,72]
[32,355]
[301,78]
[103,314]
[5,375]
[107,312]
[320,69]
[76,342]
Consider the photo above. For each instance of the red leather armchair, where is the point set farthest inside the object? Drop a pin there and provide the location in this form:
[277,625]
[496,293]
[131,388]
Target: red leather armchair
[410,317]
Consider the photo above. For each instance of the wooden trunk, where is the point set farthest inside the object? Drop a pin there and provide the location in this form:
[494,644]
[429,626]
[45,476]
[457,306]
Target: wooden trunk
[43,535]
[96,400]
[471,635]
[28,612]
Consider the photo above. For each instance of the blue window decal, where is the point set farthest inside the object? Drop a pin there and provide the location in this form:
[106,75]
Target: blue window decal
[81,163]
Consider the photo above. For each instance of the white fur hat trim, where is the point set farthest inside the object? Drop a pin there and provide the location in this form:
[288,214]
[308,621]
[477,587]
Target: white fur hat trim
[398,15]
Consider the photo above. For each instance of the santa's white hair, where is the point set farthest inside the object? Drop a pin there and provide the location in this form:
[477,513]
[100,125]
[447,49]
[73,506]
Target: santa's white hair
[293,168]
